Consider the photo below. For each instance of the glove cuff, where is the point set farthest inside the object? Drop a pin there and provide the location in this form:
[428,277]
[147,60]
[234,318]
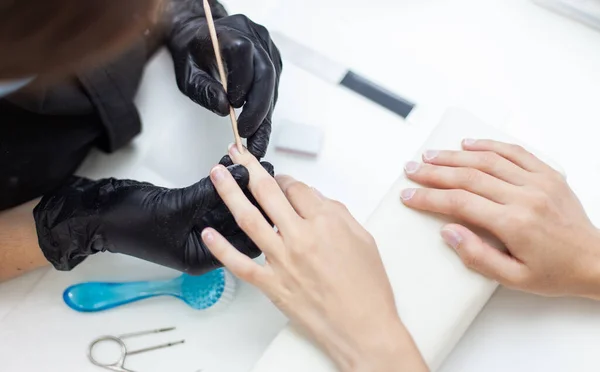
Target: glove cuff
[68,221]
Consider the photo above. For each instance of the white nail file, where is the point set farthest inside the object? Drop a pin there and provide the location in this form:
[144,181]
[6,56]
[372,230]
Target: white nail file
[298,138]
[436,295]
[336,73]
[586,11]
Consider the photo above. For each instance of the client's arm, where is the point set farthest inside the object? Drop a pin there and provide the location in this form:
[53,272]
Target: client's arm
[323,270]
[553,249]
[19,249]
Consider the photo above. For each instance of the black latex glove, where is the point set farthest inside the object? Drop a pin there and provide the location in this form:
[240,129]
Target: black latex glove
[252,61]
[138,219]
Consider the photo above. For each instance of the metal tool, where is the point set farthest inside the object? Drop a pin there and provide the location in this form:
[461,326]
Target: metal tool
[119,365]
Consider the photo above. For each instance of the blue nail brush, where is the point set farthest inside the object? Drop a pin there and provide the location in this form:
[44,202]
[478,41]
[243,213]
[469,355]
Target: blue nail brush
[199,292]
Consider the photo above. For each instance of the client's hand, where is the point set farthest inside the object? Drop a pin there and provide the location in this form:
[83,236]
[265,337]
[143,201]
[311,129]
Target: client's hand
[553,248]
[323,269]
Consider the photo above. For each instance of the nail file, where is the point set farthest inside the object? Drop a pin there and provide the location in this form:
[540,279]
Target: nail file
[298,138]
[586,11]
[436,295]
[338,74]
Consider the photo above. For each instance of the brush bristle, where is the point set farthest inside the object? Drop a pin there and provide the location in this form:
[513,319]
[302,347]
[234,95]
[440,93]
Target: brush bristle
[228,294]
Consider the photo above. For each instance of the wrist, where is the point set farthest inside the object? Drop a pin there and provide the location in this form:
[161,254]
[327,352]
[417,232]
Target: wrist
[386,348]
[590,273]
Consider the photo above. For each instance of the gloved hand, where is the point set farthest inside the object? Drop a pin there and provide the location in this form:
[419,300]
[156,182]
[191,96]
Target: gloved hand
[253,66]
[138,219]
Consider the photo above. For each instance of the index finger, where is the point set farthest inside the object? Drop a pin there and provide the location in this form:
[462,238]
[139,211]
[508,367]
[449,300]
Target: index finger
[259,141]
[267,192]
[461,204]
[260,98]
[514,153]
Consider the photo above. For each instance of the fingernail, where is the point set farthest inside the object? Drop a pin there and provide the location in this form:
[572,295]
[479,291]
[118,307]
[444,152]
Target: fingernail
[408,194]
[469,141]
[208,236]
[452,237]
[233,150]
[217,173]
[412,167]
[430,154]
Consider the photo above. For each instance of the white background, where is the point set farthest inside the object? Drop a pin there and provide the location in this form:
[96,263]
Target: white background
[524,69]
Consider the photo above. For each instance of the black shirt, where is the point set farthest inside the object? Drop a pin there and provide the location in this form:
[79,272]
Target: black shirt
[45,137]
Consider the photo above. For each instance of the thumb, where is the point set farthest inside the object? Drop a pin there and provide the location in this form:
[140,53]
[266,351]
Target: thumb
[207,91]
[481,257]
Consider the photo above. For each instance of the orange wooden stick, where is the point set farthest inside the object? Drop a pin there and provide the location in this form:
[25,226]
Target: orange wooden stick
[217,48]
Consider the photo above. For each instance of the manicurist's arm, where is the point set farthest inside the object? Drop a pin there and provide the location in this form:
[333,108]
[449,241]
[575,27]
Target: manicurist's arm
[19,249]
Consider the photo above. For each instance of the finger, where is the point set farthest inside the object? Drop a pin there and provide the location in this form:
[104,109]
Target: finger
[246,215]
[303,198]
[203,195]
[239,264]
[207,92]
[485,161]
[515,153]
[460,204]
[260,96]
[238,53]
[226,161]
[267,192]
[259,141]
[468,179]
[481,257]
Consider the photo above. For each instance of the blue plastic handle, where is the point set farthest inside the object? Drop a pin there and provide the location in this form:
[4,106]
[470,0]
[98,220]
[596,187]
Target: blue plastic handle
[96,296]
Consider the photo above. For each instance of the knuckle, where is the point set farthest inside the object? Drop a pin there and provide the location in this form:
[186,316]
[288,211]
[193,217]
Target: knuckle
[263,188]
[469,176]
[339,206]
[457,199]
[294,190]
[248,221]
[321,220]
[250,273]
[539,201]
[369,239]
[265,70]
[262,31]
[514,280]
[237,18]
[520,218]
[239,44]
[518,149]
[488,159]
[470,260]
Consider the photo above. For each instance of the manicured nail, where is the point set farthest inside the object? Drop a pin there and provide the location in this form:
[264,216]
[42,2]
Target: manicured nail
[408,194]
[452,237]
[233,150]
[412,167]
[218,174]
[430,154]
[208,236]
[469,141]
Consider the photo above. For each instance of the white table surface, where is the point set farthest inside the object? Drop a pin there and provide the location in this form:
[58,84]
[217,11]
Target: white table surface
[521,68]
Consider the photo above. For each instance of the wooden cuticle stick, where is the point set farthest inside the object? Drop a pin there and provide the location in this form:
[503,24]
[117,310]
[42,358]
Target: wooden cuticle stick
[217,48]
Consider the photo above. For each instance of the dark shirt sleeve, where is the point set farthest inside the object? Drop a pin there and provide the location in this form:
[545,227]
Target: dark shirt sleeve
[38,153]
[46,134]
